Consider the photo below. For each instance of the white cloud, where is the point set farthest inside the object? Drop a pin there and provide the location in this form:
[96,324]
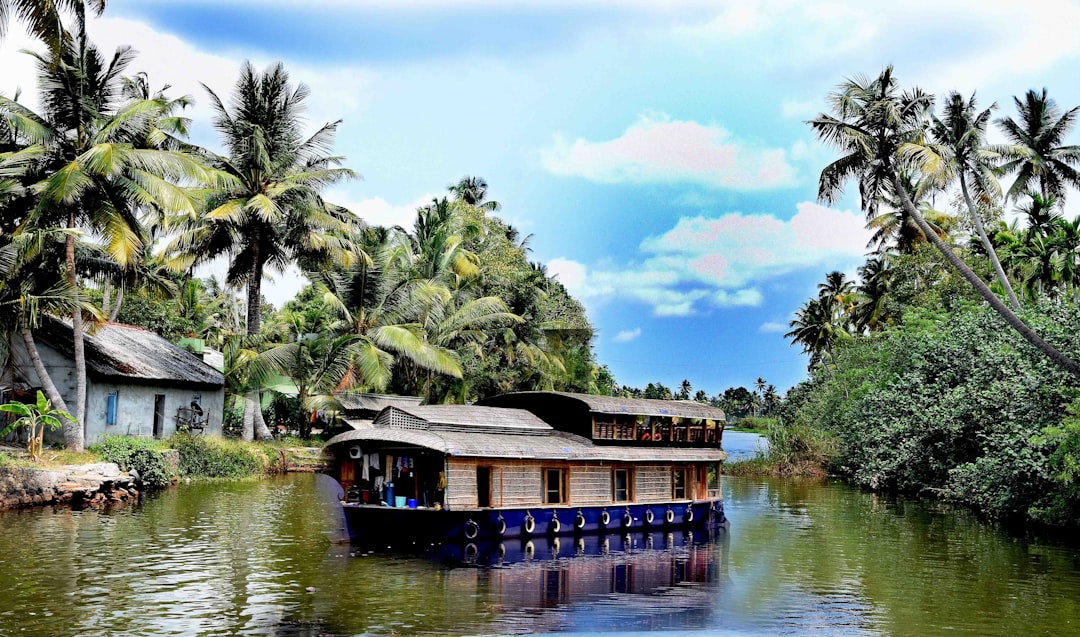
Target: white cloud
[800,109]
[656,149]
[376,211]
[625,336]
[772,327]
[719,262]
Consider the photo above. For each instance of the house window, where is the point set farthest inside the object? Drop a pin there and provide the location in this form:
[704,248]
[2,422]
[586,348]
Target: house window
[555,486]
[110,407]
[678,481]
[620,485]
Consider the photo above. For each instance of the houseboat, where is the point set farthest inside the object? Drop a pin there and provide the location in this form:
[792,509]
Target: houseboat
[531,464]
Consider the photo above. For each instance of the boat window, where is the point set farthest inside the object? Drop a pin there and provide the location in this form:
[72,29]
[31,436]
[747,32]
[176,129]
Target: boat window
[620,485]
[555,486]
[678,480]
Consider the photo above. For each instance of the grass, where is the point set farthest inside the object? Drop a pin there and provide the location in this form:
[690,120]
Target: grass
[50,458]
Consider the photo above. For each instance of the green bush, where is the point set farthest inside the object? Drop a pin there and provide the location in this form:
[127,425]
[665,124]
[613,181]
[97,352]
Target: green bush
[202,457]
[756,423]
[956,406]
[134,453]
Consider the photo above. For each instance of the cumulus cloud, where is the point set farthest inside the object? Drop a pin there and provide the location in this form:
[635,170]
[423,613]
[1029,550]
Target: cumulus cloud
[657,149]
[772,327]
[625,336]
[720,262]
[376,211]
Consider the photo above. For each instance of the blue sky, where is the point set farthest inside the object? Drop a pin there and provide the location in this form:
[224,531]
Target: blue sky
[655,151]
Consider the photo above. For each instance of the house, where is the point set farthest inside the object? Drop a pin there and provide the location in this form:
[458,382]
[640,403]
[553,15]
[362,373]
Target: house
[359,409]
[137,381]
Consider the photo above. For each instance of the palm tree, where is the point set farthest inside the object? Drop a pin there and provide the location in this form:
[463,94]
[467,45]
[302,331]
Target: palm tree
[1037,155]
[270,212]
[87,160]
[872,291]
[872,120]
[42,17]
[684,390]
[959,151]
[814,327]
[894,228]
[1040,214]
[473,191]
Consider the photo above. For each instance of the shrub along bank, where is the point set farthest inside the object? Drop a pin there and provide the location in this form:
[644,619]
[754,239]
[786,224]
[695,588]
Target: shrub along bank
[953,405]
[199,458]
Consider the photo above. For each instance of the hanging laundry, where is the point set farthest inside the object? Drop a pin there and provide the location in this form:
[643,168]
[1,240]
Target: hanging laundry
[389,467]
[375,462]
[366,464]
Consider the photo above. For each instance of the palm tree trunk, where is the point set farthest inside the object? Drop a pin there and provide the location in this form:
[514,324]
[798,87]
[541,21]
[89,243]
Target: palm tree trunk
[119,301]
[988,246]
[251,405]
[47,385]
[262,432]
[254,286]
[106,294]
[1010,317]
[74,436]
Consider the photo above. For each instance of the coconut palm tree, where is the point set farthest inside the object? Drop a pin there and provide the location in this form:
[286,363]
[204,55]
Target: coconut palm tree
[894,229]
[873,290]
[42,17]
[958,152]
[815,328]
[871,121]
[87,161]
[270,212]
[473,191]
[1037,154]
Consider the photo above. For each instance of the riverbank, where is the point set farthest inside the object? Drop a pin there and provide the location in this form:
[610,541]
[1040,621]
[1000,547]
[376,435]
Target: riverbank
[119,469]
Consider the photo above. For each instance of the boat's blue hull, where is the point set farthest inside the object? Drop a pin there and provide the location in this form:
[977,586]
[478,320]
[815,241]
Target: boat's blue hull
[378,524]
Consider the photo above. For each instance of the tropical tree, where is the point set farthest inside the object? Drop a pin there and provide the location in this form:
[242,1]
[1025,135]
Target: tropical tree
[816,329]
[270,212]
[87,161]
[958,152]
[873,290]
[473,191]
[871,121]
[684,390]
[894,229]
[42,17]
[1037,155]
[36,418]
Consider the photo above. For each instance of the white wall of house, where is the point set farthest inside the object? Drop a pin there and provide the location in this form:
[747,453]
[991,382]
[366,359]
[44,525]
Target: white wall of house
[135,402]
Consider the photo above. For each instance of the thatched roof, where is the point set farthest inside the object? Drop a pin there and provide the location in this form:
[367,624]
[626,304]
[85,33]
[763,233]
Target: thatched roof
[471,417]
[133,353]
[613,404]
[550,446]
[360,401]
[493,432]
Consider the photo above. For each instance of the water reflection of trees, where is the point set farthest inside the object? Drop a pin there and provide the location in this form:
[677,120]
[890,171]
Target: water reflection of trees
[902,567]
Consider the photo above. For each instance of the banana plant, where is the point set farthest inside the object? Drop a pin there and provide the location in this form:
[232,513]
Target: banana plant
[35,417]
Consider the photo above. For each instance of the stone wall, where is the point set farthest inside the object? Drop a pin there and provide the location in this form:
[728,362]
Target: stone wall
[78,485]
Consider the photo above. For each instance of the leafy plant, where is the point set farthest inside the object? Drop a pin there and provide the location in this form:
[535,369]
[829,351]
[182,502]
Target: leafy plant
[212,458]
[36,418]
[134,453]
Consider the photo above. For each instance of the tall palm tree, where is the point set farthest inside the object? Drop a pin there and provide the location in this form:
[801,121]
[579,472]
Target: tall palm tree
[270,211]
[894,229]
[88,162]
[872,120]
[684,389]
[873,290]
[42,17]
[1038,156]
[958,151]
[473,191]
[815,328]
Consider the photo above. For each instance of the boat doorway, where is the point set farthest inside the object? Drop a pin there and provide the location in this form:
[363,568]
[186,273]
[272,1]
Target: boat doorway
[483,487]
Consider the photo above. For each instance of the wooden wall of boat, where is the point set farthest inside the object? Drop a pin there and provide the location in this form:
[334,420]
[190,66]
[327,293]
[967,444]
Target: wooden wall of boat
[519,483]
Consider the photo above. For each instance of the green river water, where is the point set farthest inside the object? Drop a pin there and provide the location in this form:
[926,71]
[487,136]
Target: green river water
[256,557]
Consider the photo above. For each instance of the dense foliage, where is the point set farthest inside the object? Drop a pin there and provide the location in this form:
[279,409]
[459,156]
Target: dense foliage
[922,378]
[202,457]
[143,456]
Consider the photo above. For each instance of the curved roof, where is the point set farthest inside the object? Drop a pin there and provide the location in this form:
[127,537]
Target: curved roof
[550,446]
[617,405]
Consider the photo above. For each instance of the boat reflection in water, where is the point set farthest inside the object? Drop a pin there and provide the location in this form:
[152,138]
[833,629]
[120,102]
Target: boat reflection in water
[642,581]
